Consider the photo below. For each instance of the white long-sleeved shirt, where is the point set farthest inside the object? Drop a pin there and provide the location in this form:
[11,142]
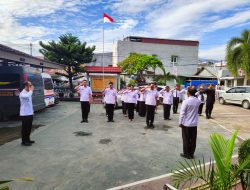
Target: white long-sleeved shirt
[189,112]
[132,96]
[142,97]
[110,96]
[151,97]
[26,106]
[167,97]
[184,93]
[199,96]
[176,93]
[85,93]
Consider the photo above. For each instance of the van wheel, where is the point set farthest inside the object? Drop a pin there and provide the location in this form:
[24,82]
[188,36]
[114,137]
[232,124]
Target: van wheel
[246,104]
[222,101]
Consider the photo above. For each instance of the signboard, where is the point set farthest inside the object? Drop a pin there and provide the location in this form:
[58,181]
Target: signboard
[98,84]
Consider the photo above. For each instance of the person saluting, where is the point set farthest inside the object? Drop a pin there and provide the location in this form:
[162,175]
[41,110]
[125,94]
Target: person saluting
[110,99]
[26,112]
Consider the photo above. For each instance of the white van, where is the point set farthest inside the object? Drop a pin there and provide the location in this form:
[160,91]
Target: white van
[49,93]
[236,95]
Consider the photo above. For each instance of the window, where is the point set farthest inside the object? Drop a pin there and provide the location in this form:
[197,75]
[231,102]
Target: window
[240,90]
[174,59]
[8,81]
[48,84]
[231,90]
[247,89]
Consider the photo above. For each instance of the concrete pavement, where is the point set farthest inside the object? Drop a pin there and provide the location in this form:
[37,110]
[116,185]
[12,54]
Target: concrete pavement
[111,154]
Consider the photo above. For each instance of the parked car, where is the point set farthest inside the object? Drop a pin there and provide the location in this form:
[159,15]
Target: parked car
[237,95]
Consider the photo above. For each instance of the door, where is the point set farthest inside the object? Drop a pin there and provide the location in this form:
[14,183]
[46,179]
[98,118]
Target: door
[228,96]
[239,94]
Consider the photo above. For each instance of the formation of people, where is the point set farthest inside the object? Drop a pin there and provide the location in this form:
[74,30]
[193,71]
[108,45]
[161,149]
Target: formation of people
[144,100]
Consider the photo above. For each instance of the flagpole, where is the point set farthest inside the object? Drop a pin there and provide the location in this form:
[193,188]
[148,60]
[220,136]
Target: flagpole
[103,55]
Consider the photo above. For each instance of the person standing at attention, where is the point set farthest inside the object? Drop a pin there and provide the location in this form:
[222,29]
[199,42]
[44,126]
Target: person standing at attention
[26,112]
[176,98]
[150,101]
[188,122]
[142,106]
[85,99]
[201,96]
[110,99]
[132,95]
[167,102]
[210,92]
[124,99]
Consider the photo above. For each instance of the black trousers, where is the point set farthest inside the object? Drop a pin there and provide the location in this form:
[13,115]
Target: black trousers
[175,104]
[124,108]
[166,111]
[142,108]
[150,114]
[137,106]
[26,127]
[110,111]
[85,110]
[189,136]
[200,108]
[131,107]
[209,109]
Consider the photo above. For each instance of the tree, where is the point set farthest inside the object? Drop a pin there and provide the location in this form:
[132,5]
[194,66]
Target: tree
[162,79]
[238,55]
[137,63]
[70,52]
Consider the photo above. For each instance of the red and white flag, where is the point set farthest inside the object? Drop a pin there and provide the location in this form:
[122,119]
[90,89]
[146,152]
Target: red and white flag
[107,18]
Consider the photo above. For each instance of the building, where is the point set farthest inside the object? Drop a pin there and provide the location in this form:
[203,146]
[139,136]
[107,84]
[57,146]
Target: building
[101,59]
[180,57]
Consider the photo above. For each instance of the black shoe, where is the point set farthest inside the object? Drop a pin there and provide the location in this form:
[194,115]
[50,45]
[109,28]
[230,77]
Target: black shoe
[168,119]
[26,144]
[112,121]
[31,142]
[152,126]
[165,118]
[86,121]
[82,121]
[185,156]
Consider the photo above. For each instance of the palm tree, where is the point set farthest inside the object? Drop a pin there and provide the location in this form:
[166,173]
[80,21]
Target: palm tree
[69,51]
[238,55]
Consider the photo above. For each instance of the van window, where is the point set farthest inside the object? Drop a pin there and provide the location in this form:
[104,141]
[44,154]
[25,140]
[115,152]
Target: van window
[247,89]
[9,81]
[240,90]
[47,84]
[232,90]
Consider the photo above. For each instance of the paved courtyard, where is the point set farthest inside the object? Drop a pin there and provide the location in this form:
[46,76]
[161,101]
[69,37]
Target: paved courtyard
[101,155]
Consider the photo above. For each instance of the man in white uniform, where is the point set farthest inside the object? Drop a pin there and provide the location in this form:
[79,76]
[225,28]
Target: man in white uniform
[188,122]
[85,99]
[151,96]
[110,99]
[176,98]
[167,102]
[26,112]
[132,95]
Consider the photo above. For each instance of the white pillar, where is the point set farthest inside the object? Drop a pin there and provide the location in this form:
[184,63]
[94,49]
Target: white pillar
[235,82]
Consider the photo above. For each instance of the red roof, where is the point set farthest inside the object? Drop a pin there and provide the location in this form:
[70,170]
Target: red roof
[100,69]
[162,41]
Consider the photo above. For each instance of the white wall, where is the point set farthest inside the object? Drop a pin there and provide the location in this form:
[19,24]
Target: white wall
[188,55]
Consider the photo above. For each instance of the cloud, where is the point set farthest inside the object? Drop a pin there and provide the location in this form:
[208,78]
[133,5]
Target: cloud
[217,52]
[133,7]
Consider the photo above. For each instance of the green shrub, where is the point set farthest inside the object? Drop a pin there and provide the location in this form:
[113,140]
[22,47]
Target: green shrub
[244,151]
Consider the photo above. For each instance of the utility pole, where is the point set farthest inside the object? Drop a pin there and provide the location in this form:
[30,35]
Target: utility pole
[30,48]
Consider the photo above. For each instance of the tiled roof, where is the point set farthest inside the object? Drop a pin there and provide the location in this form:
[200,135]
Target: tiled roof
[100,69]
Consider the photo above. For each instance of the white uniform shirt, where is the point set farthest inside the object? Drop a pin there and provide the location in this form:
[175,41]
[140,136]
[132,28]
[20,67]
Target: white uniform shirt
[184,93]
[189,112]
[199,96]
[176,93]
[167,97]
[132,96]
[26,107]
[142,97]
[85,92]
[110,96]
[125,96]
[151,97]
